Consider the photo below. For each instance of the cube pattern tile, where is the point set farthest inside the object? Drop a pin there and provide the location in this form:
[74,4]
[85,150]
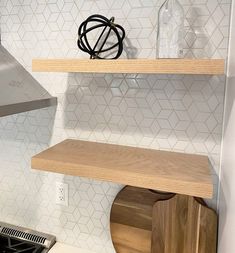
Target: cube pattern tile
[168,112]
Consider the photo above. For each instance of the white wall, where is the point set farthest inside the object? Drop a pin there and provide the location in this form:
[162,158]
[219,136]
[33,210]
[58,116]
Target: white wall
[227,191]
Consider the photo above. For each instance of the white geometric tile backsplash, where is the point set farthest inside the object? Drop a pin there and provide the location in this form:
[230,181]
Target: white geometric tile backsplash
[169,112]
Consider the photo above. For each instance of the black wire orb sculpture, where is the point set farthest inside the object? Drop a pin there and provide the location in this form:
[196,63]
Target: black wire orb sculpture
[102,44]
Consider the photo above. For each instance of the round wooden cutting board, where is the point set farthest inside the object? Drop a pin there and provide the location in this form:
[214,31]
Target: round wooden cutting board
[144,221]
[131,219]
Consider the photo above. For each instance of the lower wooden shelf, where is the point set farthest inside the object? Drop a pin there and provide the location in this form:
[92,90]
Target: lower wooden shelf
[158,170]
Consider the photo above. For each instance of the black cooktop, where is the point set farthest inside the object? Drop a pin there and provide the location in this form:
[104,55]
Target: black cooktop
[9,245]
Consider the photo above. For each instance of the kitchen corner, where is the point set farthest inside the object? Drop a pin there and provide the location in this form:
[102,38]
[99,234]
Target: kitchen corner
[116,126]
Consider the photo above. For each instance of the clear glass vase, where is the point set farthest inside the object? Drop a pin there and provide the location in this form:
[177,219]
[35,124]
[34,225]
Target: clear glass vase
[170,30]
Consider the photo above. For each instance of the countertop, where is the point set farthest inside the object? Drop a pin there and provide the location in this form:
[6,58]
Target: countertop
[63,248]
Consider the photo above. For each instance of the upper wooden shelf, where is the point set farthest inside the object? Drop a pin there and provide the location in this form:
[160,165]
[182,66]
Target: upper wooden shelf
[146,168]
[159,66]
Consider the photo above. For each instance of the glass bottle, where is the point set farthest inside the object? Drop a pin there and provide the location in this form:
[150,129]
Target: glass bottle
[170,30]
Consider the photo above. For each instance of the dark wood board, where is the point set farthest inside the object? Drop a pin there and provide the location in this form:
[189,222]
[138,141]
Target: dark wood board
[144,221]
[183,224]
[131,219]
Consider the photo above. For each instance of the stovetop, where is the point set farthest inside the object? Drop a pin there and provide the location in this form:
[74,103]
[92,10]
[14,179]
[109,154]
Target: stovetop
[9,245]
[14,239]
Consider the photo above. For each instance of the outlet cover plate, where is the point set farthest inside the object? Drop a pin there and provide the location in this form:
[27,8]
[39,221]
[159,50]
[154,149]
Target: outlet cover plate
[62,194]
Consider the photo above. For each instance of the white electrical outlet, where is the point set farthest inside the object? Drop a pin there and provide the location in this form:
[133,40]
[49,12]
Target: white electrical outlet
[62,194]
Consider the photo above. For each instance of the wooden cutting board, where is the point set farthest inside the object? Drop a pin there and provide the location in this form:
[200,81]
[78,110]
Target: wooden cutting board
[143,221]
[131,219]
[183,224]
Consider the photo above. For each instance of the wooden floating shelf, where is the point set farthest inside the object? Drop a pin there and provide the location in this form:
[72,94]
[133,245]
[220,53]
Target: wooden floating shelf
[158,170]
[137,66]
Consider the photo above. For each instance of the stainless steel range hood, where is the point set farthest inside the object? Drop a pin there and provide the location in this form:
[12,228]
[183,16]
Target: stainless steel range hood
[19,91]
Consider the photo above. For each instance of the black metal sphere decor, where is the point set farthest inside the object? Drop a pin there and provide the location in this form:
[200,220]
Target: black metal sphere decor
[103,45]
